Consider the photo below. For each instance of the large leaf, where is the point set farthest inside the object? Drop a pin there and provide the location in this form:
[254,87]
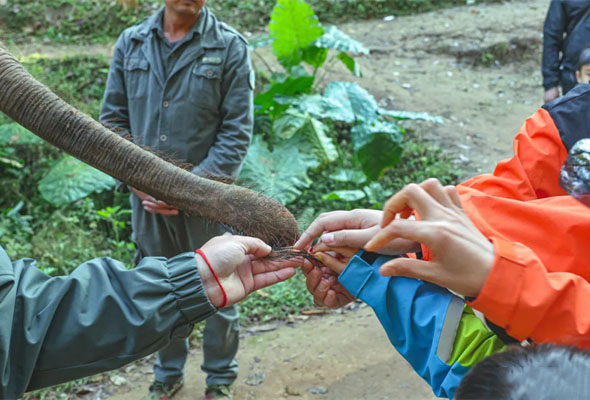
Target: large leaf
[377,146]
[334,38]
[71,179]
[325,108]
[345,195]
[14,133]
[289,87]
[362,104]
[420,116]
[293,27]
[311,130]
[281,174]
[348,176]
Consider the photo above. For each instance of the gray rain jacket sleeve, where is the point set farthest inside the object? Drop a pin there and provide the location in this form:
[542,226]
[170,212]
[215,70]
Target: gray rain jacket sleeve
[102,316]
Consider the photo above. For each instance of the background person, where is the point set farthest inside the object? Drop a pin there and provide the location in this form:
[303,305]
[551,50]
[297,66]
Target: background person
[103,316]
[565,34]
[181,83]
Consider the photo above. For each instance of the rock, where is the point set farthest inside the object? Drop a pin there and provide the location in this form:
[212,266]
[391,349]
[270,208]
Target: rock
[389,18]
[289,391]
[317,390]
[255,378]
[262,328]
[118,380]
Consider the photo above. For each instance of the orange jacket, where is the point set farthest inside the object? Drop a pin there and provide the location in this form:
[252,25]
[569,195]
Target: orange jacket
[538,287]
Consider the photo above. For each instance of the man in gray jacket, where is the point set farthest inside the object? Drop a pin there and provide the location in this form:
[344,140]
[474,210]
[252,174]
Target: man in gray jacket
[181,83]
[103,316]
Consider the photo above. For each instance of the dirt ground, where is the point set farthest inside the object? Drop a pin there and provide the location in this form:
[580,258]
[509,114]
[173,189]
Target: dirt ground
[430,62]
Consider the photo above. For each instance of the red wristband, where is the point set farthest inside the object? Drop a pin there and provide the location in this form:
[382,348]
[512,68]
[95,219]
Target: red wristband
[224,302]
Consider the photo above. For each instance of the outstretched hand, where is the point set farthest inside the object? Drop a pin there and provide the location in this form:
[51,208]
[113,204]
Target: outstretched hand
[462,256]
[237,261]
[351,229]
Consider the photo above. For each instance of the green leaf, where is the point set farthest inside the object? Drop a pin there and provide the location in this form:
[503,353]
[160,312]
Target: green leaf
[289,87]
[334,38]
[350,63]
[402,115]
[281,174]
[376,194]
[349,176]
[314,56]
[377,146]
[353,97]
[71,180]
[323,146]
[288,124]
[293,27]
[311,130]
[345,195]
[325,108]
[14,133]
[10,162]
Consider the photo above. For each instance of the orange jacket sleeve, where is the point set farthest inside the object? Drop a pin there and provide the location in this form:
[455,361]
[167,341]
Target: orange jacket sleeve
[533,172]
[529,301]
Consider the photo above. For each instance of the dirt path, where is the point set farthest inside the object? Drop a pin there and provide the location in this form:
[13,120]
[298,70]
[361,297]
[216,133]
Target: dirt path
[427,62]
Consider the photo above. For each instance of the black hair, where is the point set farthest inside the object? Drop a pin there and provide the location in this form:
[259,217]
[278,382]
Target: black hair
[538,372]
[584,58]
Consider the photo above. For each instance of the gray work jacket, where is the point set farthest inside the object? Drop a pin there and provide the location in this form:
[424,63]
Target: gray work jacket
[202,113]
[102,316]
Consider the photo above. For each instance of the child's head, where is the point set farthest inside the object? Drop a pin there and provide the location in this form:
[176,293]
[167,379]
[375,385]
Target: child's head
[540,372]
[583,72]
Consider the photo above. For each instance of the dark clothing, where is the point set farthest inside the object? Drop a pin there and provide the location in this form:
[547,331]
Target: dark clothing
[102,316]
[565,35]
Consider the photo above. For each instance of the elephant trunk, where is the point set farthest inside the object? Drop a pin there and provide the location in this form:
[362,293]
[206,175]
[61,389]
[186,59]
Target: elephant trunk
[38,109]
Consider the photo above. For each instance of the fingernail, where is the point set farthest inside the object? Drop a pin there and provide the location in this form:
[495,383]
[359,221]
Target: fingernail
[311,249]
[327,238]
[319,257]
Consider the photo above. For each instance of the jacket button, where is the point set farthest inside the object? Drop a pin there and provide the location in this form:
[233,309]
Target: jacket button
[165,104]
[163,138]
[209,73]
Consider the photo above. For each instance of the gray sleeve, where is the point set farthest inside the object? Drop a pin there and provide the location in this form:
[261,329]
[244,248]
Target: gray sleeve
[229,149]
[100,317]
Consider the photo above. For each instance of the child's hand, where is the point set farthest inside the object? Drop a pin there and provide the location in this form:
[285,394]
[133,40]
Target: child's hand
[323,284]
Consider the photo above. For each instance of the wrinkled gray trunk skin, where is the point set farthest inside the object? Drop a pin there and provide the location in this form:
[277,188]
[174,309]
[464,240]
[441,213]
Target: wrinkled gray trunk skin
[38,109]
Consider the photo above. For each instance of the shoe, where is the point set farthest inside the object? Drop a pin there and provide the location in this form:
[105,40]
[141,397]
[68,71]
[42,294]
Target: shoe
[218,392]
[164,391]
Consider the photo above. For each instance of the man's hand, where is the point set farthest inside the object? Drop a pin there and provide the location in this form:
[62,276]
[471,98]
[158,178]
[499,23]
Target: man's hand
[462,256]
[551,94]
[152,205]
[238,264]
[351,229]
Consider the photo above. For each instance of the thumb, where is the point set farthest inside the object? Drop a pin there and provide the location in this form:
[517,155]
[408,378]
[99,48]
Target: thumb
[412,268]
[254,246]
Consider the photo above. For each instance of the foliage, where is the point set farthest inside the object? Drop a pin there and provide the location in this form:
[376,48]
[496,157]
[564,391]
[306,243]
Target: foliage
[103,20]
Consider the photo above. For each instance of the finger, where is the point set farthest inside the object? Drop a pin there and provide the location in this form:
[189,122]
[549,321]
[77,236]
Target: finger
[332,262]
[356,238]
[436,190]
[320,293]
[161,204]
[415,231]
[327,222]
[161,211]
[312,280]
[331,300]
[307,267]
[343,251]
[428,271]
[253,246]
[453,195]
[412,196]
[270,278]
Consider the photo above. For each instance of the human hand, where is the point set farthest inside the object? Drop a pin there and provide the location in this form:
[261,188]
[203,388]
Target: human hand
[351,229]
[323,284]
[238,263]
[462,256]
[152,205]
[551,94]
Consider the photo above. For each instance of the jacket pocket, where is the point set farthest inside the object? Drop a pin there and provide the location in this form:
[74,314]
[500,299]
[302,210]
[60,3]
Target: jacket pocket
[206,86]
[136,77]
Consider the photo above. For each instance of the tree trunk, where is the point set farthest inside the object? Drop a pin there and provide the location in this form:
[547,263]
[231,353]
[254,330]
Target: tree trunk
[38,109]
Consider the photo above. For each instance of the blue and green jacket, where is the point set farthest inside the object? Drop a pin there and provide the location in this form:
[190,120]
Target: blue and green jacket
[429,326]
